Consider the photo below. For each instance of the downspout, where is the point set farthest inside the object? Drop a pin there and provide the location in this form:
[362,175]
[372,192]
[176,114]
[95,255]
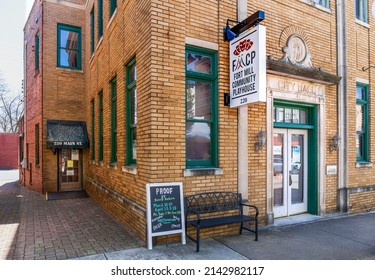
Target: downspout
[41,77]
[242,128]
[24,159]
[342,105]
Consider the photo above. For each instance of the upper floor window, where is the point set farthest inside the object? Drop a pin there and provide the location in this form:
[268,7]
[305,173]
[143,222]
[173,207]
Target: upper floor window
[112,7]
[131,112]
[101,127]
[323,3]
[361,10]
[318,3]
[362,122]
[37,39]
[100,19]
[69,46]
[114,120]
[92,23]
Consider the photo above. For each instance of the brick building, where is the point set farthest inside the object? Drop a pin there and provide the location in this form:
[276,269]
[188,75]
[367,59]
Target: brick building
[151,89]
[55,131]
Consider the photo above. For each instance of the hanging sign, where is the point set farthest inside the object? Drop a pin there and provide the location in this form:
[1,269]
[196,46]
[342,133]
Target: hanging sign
[165,211]
[248,67]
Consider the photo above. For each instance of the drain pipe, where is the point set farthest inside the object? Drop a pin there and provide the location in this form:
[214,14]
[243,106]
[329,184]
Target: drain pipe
[342,105]
[242,128]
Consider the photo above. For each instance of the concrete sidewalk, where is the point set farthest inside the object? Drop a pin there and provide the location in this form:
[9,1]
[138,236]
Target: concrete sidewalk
[333,238]
[32,228]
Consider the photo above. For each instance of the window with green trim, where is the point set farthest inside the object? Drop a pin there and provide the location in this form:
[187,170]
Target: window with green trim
[69,53]
[201,99]
[92,22]
[100,19]
[37,39]
[113,120]
[290,115]
[361,10]
[92,130]
[131,112]
[362,122]
[112,7]
[101,135]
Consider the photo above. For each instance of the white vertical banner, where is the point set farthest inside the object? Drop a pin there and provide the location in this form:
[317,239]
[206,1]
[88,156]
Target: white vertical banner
[248,67]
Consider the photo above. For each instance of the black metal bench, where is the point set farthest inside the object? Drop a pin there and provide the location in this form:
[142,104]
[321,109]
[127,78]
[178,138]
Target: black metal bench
[200,210]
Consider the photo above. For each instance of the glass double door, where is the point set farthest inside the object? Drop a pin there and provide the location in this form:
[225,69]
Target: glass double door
[290,172]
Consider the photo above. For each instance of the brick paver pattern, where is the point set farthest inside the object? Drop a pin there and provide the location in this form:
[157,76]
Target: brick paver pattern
[32,228]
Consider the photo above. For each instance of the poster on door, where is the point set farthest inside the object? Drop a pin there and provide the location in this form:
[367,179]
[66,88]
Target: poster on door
[75,154]
[296,154]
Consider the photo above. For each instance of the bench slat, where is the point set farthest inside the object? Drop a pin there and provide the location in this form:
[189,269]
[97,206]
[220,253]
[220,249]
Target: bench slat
[219,221]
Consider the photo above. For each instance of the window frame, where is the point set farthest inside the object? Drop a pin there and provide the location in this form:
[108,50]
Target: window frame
[92,129]
[101,123]
[92,31]
[37,145]
[112,7]
[113,84]
[211,78]
[100,19]
[364,102]
[37,50]
[323,3]
[70,28]
[361,10]
[130,127]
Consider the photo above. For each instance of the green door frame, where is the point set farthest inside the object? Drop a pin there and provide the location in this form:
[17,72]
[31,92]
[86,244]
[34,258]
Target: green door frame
[312,128]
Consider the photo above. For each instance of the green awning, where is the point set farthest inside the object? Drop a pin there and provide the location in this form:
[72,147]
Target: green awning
[67,134]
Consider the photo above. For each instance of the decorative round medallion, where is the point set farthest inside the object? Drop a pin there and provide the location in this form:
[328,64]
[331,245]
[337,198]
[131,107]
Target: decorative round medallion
[297,49]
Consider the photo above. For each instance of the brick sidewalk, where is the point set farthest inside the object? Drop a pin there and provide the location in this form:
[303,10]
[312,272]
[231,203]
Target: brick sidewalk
[32,228]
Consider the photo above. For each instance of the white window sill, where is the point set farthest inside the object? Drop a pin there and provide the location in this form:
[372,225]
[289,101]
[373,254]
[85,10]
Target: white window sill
[360,22]
[131,169]
[362,164]
[189,172]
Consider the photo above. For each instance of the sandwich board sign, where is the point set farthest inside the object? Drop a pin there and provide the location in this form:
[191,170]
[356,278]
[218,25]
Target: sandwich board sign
[247,63]
[165,211]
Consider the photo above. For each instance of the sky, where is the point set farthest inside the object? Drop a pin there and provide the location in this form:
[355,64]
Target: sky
[13,15]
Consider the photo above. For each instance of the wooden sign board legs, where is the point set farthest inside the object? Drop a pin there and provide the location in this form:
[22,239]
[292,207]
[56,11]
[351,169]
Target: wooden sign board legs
[165,211]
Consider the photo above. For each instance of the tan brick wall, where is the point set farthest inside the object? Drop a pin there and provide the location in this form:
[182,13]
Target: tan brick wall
[360,55]
[63,89]
[125,35]
[155,32]
[362,202]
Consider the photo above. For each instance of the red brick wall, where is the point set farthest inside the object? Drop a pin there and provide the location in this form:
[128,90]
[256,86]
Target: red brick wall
[8,151]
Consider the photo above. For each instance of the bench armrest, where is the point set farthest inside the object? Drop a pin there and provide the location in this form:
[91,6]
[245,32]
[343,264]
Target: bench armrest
[194,213]
[251,206]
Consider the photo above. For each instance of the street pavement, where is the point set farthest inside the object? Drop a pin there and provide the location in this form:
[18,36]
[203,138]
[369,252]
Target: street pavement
[32,228]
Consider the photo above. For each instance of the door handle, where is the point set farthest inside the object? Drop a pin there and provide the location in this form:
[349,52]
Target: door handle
[290,180]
